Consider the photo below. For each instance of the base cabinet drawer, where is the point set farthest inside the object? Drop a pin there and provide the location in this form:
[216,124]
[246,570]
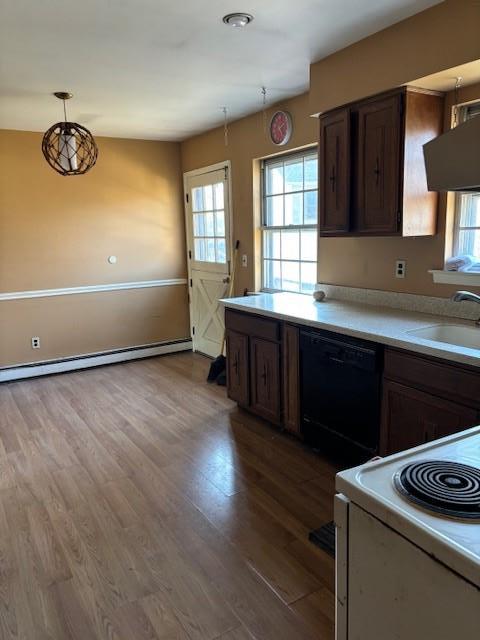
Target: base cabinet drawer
[238,379]
[411,417]
[265,379]
[252,325]
[446,380]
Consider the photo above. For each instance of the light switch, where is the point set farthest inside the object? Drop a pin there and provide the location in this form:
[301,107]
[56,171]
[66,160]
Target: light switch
[244,260]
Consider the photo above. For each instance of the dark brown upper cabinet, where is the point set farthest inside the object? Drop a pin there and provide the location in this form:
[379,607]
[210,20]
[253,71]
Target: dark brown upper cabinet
[334,171]
[372,172]
[377,204]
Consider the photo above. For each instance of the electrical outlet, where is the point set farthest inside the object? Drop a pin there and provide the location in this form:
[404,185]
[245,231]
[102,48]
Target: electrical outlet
[400,268]
[244,260]
[35,342]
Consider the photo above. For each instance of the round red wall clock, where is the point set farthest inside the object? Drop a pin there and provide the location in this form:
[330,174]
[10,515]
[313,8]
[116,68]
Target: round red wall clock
[281,127]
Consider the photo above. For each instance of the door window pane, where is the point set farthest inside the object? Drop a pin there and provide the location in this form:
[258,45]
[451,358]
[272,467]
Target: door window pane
[200,249]
[208,197]
[220,223]
[197,199]
[208,222]
[198,224]
[218,194]
[220,250]
[210,250]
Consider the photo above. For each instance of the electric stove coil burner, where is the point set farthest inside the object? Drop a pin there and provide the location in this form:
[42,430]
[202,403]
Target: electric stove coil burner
[449,488]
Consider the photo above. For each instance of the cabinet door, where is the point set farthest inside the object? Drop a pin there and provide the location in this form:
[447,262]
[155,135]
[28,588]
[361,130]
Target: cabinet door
[377,207]
[411,417]
[265,378]
[291,379]
[334,172]
[237,367]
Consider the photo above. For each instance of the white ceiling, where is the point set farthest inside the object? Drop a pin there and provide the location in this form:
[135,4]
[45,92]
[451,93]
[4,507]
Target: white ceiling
[159,69]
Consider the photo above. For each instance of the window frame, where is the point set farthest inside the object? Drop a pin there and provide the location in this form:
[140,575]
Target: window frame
[312,150]
[462,114]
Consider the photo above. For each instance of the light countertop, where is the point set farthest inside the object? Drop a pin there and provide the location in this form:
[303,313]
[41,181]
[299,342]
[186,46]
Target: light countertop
[379,324]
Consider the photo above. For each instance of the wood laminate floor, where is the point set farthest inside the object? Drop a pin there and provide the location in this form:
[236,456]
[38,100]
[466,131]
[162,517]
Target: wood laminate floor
[137,502]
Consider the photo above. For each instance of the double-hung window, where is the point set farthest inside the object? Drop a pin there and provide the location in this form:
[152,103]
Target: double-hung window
[289,222]
[467,209]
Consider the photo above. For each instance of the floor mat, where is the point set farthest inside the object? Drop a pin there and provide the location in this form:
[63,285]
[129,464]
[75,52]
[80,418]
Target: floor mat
[324,538]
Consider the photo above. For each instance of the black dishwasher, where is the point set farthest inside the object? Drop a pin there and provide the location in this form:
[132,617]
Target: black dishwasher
[340,393]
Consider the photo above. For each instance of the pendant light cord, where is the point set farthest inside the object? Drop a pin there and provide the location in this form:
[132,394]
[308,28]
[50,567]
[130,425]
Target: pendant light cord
[225,125]
[65,109]
[264,101]
[458,84]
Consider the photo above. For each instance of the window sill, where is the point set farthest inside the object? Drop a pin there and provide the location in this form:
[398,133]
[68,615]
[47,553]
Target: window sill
[441,276]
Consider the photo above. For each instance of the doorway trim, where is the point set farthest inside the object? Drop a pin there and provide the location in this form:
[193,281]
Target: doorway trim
[226,164]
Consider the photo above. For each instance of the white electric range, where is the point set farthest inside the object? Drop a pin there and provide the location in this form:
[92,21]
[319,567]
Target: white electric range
[408,544]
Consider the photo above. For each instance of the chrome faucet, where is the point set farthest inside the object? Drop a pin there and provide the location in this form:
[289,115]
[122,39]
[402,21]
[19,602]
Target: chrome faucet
[460,296]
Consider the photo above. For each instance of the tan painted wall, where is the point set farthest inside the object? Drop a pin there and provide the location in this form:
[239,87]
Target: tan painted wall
[58,232]
[439,38]
[434,40]
[247,141]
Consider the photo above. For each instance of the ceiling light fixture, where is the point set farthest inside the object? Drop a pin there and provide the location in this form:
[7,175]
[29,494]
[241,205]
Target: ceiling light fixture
[237,20]
[68,147]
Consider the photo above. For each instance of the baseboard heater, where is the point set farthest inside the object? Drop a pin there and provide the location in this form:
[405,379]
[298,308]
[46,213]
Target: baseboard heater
[86,361]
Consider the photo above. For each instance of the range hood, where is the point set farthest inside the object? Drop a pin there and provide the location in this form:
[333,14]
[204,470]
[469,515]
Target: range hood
[452,160]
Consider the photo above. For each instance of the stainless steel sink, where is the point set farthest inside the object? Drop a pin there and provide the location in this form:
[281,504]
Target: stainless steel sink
[457,334]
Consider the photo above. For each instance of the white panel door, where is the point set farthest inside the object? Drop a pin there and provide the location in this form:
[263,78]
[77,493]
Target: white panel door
[209,247]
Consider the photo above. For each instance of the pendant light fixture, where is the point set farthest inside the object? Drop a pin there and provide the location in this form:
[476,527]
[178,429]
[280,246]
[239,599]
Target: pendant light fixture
[68,147]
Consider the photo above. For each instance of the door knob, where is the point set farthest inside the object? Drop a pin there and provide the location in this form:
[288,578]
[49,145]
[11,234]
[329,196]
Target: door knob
[226,280]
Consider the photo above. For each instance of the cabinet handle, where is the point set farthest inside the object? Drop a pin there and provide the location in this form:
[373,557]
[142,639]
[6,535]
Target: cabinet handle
[235,364]
[333,178]
[264,375]
[376,171]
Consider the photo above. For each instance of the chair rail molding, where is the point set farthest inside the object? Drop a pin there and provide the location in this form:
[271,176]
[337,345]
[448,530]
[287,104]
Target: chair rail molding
[93,288]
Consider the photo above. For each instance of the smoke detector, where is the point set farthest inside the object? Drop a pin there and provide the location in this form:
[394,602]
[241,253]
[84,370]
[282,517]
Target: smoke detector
[237,20]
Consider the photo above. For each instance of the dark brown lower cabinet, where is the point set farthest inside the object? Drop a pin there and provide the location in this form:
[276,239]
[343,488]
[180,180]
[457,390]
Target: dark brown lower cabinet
[424,398]
[291,379]
[265,379]
[411,417]
[238,384]
[254,358]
